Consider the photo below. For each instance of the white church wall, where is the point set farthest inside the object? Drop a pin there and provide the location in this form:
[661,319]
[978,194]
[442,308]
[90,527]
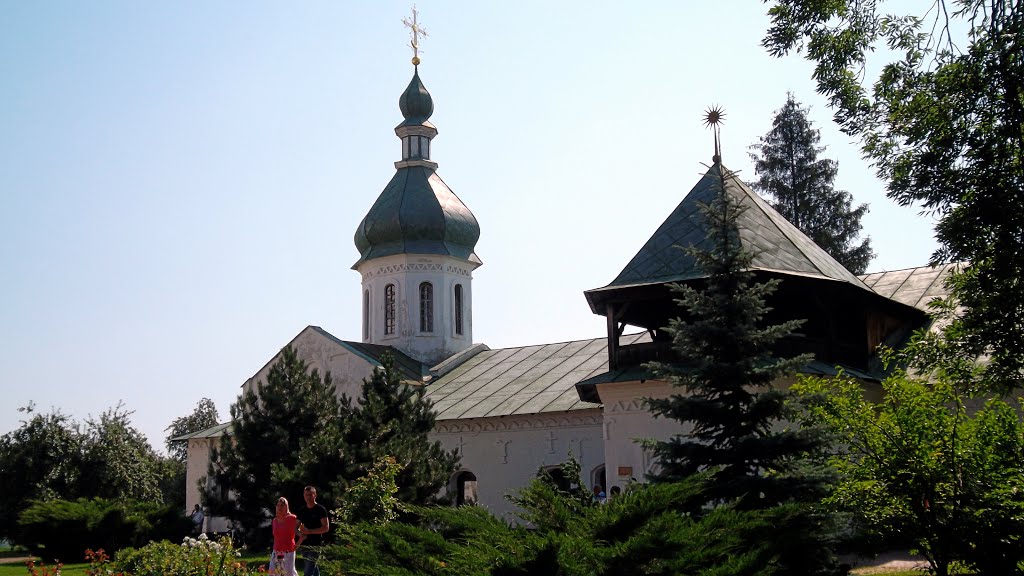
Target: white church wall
[504,453]
[406,272]
[626,420]
[325,355]
[196,470]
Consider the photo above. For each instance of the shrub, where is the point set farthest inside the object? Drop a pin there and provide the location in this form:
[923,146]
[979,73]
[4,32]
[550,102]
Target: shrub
[63,529]
[193,557]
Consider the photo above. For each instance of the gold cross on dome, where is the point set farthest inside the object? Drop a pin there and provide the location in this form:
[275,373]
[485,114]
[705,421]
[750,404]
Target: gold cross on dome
[415,31]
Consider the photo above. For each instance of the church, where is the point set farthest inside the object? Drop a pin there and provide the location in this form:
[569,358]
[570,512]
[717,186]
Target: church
[512,411]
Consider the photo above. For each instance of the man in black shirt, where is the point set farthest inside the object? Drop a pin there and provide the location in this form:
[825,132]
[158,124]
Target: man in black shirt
[313,524]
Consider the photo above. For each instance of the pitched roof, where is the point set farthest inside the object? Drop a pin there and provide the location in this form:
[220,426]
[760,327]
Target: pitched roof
[778,246]
[211,432]
[410,368]
[912,286]
[523,380]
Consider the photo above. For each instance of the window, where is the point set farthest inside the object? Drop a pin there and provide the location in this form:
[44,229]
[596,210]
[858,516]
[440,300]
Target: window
[389,309]
[458,309]
[426,307]
[366,315]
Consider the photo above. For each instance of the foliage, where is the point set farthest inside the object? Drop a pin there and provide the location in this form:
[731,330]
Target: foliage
[193,557]
[944,126]
[38,461]
[274,426]
[800,183]
[118,461]
[652,530]
[372,498]
[63,529]
[919,465]
[202,417]
[393,419]
[51,456]
[723,371]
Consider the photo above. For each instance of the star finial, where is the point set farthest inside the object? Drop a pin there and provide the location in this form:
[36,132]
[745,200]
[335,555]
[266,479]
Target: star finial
[714,117]
[415,31]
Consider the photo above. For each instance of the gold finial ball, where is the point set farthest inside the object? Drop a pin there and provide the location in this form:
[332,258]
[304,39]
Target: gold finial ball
[415,60]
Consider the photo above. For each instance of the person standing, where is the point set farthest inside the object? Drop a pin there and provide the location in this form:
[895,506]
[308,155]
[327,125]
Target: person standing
[313,524]
[284,525]
[197,517]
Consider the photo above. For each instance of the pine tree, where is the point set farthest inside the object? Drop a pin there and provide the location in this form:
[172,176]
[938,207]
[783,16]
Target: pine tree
[724,373]
[394,419]
[271,427]
[800,185]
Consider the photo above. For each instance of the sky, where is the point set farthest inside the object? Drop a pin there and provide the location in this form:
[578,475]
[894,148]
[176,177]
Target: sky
[180,181]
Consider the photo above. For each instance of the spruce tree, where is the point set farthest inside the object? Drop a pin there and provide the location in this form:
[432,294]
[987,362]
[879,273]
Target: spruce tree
[800,186]
[394,419]
[271,427]
[723,375]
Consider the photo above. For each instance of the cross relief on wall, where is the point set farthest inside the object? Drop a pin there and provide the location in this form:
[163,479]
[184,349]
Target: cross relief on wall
[504,450]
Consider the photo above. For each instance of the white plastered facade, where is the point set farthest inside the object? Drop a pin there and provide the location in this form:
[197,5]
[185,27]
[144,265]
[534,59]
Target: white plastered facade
[451,330]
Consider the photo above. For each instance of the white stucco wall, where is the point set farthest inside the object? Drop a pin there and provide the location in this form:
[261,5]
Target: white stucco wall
[505,452]
[325,355]
[407,272]
[196,471]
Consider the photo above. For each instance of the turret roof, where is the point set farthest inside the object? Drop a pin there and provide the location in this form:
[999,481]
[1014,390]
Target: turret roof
[778,245]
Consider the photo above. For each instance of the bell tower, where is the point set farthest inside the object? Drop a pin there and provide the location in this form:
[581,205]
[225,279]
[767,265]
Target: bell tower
[416,246]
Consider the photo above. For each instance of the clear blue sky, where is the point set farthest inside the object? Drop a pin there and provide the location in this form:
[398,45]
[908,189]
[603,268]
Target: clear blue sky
[180,181]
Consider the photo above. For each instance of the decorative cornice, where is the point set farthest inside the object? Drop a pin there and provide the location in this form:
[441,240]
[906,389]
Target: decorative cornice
[418,162]
[512,424]
[633,405]
[417,267]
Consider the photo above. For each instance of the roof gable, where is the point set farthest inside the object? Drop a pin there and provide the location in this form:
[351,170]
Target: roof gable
[777,245]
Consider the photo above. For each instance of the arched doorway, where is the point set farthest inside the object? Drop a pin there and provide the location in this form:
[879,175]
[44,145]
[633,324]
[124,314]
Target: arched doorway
[466,491]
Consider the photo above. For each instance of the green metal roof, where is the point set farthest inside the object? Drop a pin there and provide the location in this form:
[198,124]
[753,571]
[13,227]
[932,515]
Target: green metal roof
[913,286]
[211,432]
[415,103]
[778,246]
[524,380]
[417,214]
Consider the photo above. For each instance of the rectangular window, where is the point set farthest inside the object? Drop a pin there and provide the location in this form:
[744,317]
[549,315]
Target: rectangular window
[389,309]
[426,307]
[458,309]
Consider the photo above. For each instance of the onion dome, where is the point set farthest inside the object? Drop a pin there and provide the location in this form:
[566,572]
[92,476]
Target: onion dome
[415,103]
[417,213]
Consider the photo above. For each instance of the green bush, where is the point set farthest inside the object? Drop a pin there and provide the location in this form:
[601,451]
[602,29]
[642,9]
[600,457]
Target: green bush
[193,557]
[64,529]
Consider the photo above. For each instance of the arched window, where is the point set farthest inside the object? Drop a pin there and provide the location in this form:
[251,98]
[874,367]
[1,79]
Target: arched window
[458,309]
[366,315]
[426,307]
[598,477]
[557,477]
[465,488]
[389,309]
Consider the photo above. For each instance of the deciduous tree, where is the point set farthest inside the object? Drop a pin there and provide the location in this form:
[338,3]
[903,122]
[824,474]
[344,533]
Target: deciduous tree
[202,417]
[943,124]
[801,187]
[40,460]
[919,466]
